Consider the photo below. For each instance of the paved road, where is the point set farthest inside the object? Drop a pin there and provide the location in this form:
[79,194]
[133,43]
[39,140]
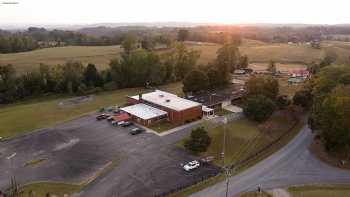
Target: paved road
[292,165]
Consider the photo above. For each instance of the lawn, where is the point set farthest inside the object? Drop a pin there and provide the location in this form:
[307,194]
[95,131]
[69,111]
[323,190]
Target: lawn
[320,191]
[25,61]
[21,118]
[243,138]
[41,189]
[163,126]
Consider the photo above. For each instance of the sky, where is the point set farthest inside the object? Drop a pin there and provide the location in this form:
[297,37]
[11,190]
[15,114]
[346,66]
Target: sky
[198,11]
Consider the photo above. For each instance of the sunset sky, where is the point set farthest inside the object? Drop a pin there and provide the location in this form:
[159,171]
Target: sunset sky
[213,11]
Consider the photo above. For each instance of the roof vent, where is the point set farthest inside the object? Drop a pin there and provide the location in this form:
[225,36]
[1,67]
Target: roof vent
[168,100]
[161,95]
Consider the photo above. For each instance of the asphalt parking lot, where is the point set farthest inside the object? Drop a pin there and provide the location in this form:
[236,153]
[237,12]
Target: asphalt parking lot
[75,151]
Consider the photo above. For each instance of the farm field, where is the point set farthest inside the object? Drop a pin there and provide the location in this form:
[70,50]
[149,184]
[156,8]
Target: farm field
[25,61]
[101,55]
[41,113]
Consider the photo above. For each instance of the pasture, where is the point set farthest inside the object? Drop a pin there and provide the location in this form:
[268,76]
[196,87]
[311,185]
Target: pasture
[258,52]
[25,61]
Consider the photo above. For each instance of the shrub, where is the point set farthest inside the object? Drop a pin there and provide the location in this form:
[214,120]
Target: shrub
[258,108]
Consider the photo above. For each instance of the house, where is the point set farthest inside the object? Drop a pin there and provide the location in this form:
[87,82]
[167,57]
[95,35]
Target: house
[179,110]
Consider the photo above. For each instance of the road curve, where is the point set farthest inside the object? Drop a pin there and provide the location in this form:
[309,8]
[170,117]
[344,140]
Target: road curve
[291,165]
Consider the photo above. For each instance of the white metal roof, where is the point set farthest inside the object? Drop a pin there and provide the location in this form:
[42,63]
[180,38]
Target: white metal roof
[168,100]
[144,111]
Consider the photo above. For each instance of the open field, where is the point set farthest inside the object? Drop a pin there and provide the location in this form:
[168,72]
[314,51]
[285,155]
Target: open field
[41,189]
[282,53]
[320,191]
[41,113]
[99,55]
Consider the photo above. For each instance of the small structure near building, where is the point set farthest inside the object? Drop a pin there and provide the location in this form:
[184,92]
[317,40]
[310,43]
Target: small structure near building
[145,114]
[207,112]
[295,80]
[121,117]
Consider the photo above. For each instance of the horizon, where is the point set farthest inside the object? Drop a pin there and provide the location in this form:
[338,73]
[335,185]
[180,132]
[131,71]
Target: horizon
[66,13]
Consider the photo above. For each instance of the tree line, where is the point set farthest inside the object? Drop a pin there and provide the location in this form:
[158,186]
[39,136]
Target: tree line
[135,67]
[217,73]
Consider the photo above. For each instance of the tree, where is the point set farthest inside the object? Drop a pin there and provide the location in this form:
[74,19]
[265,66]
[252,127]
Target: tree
[282,101]
[195,81]
[334,119]
[129,44]
[92,77]
[227,61]
[148,43]
[272,67]
[182,35]
[199,140]
[72,75]
[303,98]
[262,85]
[214,78]
[243,62]
[182,59]
[258,108]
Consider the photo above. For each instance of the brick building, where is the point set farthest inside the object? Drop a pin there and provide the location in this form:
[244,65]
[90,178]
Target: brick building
[179,110]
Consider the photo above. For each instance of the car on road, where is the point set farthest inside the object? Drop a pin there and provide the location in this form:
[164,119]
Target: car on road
[136,131]
[102,116]
[191,165]
[127,124]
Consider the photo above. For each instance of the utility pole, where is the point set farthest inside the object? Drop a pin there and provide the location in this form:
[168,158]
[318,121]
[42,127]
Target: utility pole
[225,168]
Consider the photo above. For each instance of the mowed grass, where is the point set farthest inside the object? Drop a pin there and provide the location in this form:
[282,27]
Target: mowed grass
[320,191]
[21,118]
[26,61]
[41,189]
[243,138]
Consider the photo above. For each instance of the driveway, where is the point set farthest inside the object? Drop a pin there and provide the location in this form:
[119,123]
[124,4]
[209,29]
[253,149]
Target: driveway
[75,151]
[292,165]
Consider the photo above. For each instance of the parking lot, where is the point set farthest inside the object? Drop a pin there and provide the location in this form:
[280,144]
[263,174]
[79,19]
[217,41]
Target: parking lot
[75,151]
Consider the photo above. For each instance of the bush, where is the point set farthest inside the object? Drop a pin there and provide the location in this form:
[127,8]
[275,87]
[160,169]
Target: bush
[303,98]
[258,108]
[199,140]
[282,102]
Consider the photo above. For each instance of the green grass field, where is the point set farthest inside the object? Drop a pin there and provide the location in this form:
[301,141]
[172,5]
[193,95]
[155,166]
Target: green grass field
[243,137]
[99,55]
[41,189]
[320,191]
[23,117]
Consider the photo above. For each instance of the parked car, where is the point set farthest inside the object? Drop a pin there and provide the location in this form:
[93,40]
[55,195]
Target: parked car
[110,118]
[136,131]
[191,165]
[127,124]
[120,123]
[101,117]
[114,123]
